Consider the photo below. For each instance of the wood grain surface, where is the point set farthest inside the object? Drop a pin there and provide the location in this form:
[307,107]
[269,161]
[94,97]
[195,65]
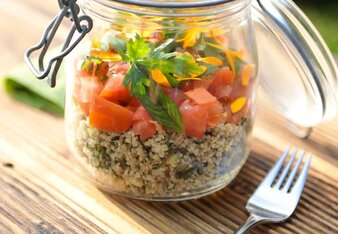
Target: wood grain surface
[42,190]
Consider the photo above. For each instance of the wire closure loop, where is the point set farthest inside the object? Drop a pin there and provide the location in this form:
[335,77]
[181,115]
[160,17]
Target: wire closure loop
[82,24]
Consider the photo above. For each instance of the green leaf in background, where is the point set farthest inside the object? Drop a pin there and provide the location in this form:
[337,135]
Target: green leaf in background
[324,15]
[22,85]
[25,95]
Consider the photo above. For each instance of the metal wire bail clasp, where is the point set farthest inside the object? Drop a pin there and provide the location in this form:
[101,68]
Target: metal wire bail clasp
[83,24]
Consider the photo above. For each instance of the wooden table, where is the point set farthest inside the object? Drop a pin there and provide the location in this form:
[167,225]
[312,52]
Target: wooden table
[42,192]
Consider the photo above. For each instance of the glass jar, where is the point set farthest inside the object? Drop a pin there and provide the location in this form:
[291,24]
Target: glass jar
[160,97]
[162,106]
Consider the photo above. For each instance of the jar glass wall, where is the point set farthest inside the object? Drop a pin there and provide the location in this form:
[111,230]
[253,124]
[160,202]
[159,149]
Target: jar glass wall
[160,103]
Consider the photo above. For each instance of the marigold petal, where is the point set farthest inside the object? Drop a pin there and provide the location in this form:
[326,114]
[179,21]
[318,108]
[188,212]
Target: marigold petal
[188,78]
[247,73]
[190,37]
[238,104]
[212,60]
[158,76]
[106,56]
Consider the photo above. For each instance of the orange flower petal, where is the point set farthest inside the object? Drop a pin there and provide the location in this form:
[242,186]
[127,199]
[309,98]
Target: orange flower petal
[212,60]
[190,37]
[159,77]
[247,73]
[106,56]
[238,104]
[188,78]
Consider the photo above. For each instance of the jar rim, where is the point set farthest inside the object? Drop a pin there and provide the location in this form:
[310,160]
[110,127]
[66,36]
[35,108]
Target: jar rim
[174,3]
[227,8]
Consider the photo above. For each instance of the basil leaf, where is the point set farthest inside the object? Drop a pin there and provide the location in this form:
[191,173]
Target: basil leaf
[162,108]
[172,80]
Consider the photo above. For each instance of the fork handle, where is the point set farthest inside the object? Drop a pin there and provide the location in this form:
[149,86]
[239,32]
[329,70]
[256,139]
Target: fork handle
[249,223]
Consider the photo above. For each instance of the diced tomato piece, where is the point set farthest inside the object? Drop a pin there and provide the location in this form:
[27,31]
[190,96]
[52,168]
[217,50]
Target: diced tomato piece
[176,95]
[144,128]
[141,114]
[239,90]
[142,124]
[114,90]
[186,86]
[221,77]
[236,118]
[90,86]
[222,91]
[215,112]
[123,68]
[85,89]
[119,67]
[108,116]
[200,96]
[195,119]
[156,37]
[201,83]
[133,104]
[85,106]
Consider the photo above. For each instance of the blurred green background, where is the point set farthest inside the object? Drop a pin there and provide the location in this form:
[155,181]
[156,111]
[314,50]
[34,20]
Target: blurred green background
[324,15]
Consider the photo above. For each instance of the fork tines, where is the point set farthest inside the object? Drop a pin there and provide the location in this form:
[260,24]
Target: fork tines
[286,178]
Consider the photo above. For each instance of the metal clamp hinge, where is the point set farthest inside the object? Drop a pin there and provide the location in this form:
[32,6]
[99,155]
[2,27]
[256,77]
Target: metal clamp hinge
[82,24]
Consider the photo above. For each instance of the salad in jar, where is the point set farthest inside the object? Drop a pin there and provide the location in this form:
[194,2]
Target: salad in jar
[157,114]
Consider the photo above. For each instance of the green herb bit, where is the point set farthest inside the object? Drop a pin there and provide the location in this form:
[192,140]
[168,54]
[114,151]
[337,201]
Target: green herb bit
[137,81]
[137,49]
[186,172]
[200,45]
[162,108]
[210,69]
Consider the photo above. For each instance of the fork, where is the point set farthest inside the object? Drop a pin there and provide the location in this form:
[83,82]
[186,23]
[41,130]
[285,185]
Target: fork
[275,202]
